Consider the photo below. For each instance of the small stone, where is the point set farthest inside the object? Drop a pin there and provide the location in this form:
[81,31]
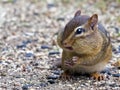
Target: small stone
[29,54]
[7,62]
[119,48]
[116,75]
[114,49]
[107,70]
[36,13]
[26,42]
[113,85]
[3,74]
[50,5]
[35,64]
[17,66]
[54,52]
[53,77]
[0,61]
[43,84]
[21,46]
[60,19]
[56,72]
[5,49]
[15,88]
[46,47]
[117,30]
[26,87]
[18,76]
[51,81]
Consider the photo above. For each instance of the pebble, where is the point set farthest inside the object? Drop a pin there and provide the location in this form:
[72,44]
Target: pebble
[53,77]
[36,13]
[21,46]
[3,74]
[29,54]
[45,47]
[0,61]
[50,5]
[107,71]
[57,72]
[119,48]
[114,49]
[54,52]
[113,85]
[24,44]
[51,81]
[18,76]
[25,87]
[7,62]
[117,29]
[60,19]
[44,84]
[116,75]
[27,42]
[15,89]
[35,64]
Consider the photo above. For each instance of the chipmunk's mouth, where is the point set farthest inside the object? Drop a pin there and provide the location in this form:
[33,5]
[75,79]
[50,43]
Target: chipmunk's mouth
[69,48]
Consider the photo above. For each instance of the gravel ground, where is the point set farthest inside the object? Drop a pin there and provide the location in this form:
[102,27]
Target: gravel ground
[28,48]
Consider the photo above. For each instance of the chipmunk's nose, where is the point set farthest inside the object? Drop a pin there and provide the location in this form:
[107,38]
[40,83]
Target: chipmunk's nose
[64,43]
[67,45]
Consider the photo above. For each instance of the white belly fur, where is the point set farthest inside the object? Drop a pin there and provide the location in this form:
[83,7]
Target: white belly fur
[88,69]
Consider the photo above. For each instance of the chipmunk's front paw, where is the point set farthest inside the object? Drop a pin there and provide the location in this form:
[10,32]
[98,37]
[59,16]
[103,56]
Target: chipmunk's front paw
[71,62]
[97,76]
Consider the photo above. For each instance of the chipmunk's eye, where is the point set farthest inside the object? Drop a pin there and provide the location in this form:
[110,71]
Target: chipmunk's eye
[80,30]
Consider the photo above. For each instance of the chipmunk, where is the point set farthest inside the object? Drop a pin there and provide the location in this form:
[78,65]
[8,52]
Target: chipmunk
[86,40]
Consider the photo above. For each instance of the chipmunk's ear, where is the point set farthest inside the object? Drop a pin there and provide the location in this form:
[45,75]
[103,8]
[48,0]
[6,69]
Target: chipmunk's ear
[93,21]
[78,12]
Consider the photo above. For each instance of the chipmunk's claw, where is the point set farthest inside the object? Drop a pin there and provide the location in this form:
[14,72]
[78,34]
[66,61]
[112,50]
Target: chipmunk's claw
[97,76]
[65,76]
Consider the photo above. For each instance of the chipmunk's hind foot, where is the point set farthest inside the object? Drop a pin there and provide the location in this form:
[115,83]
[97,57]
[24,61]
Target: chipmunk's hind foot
[97,76]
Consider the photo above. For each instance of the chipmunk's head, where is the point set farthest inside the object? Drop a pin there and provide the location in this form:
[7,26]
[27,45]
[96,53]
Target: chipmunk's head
[81,33]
